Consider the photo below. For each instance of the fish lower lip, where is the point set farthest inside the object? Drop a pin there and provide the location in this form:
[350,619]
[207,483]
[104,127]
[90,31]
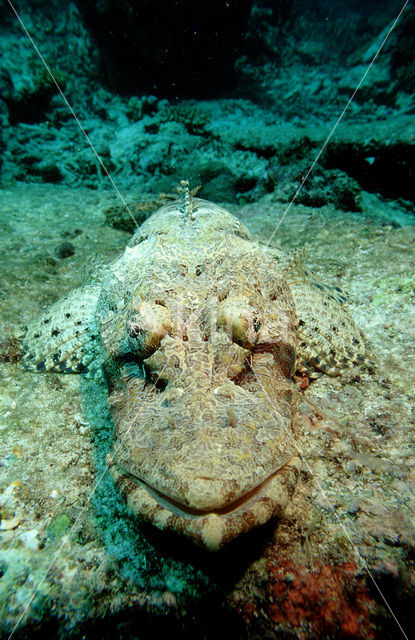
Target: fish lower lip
[180,506]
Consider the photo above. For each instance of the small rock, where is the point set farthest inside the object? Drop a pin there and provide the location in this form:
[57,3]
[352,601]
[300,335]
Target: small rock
[353,508]
[17,451]
[288,578]
[6,536]
[71,234]
[64,250]
[30,540]
[6,525]
[170,599]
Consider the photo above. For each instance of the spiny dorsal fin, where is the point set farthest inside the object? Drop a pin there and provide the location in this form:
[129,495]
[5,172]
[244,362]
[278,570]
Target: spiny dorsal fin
[189,207]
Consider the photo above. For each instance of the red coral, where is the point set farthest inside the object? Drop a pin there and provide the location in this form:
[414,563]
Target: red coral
[325,601]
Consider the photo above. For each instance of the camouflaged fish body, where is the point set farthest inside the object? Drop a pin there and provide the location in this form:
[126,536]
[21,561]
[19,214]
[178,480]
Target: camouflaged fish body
[200,329]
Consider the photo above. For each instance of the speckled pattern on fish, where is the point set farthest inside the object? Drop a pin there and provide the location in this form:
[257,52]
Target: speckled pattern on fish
[200,330]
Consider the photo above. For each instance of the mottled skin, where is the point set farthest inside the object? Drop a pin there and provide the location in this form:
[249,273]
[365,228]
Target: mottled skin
[200,330]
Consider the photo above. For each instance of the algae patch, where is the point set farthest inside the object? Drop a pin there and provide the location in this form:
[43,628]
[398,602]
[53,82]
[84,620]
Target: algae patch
[386,289]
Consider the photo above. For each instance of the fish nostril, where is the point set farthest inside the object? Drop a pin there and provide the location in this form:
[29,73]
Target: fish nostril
[152,377]
[160,384]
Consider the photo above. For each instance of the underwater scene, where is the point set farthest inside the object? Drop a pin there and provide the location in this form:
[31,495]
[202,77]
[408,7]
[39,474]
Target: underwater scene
[207,347]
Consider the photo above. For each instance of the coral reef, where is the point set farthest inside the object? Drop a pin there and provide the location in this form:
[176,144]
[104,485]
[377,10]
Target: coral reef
[260,139]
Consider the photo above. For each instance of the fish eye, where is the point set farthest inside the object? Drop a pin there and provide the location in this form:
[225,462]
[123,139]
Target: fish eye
[240,321]
[146,327]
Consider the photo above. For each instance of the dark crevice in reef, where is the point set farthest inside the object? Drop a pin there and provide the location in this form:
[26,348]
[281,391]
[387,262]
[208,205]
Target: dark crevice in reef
[388,169]
[141,624]
[169,48]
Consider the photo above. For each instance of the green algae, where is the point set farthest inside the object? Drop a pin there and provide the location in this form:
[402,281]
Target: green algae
[138,559]
[60,525]
[386,289]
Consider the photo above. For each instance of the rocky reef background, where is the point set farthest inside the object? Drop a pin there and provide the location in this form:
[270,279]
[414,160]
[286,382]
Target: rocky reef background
[238,98]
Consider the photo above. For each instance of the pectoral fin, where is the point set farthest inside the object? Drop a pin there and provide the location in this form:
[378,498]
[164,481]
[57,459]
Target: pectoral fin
[64,338]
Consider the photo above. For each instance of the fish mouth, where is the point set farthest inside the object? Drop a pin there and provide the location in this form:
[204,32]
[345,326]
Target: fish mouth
[213,528]
[185,509]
